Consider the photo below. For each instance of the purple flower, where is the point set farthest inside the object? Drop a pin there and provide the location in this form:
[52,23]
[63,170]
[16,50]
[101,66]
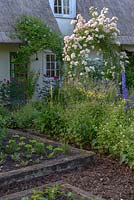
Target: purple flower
[124,89]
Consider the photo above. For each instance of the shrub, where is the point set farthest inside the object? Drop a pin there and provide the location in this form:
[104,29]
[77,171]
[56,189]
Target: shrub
[5,117]
[3,134]
[3,111]
[127,145]
[11,93]
[83,121]
[50,121]
[25,116]
[70,94]
[115,136]
[130,72]
[4,92]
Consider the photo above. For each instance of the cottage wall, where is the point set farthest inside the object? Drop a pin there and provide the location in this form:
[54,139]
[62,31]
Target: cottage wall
[65,25]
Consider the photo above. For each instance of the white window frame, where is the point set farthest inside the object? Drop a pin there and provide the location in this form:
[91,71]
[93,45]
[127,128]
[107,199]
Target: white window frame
[72,9]
[55,66]
[62,7]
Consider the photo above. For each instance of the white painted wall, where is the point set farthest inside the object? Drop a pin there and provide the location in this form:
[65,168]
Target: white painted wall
[4,65]
[37,65]
[65,25]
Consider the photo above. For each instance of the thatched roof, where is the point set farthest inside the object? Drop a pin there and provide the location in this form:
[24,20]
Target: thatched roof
[10,10]
[123,9]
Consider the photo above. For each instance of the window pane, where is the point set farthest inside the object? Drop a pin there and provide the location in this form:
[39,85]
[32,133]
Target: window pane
[12,73]
[66,3]
[55,9]
[48,58]
[66,10]
[52,73]
[58,6]
[58,65]
[48,66]
[57,73]
[53,65]
[60,10]
[55,3]
[58,3]
[53,58]
[48,73]
[66,6]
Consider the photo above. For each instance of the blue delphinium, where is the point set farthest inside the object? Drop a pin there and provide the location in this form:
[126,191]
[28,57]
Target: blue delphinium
[124,89]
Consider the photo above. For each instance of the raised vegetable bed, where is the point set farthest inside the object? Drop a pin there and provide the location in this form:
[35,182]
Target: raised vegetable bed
[55,191]
[27,157]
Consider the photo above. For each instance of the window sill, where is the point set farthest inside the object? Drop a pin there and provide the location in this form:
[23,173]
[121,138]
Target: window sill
[51,77]
[63,16]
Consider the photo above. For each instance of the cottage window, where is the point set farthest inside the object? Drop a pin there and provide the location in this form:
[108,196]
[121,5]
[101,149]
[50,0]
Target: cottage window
[62,7]
[12,64]
[52,66]
[16,71]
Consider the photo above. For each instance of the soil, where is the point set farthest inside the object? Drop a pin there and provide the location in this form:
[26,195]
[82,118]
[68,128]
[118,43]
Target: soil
[105,177]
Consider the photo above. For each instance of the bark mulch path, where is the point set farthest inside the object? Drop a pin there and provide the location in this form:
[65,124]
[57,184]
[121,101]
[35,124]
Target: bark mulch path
[105,177]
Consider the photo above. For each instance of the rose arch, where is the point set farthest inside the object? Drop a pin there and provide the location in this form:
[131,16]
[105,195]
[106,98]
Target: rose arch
[98,35]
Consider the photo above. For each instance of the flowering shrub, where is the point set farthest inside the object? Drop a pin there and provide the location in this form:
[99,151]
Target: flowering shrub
[99,34]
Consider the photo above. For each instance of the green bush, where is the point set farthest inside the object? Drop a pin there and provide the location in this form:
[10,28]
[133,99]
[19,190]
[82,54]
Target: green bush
[39,105]
[71,94]
[5,117]
[130,72]
[3,111]
[50,121]
[25,116]
[116,134]
[83,120]
[3,134]
[127,145]
[11,93]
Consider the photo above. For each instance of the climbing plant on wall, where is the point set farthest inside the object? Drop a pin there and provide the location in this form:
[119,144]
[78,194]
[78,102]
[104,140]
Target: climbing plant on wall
[36,36]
